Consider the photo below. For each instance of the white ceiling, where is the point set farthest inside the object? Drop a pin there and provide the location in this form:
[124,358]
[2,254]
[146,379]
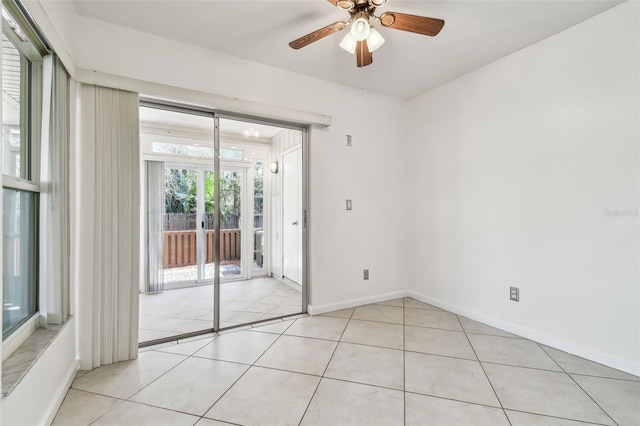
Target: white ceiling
[475,33]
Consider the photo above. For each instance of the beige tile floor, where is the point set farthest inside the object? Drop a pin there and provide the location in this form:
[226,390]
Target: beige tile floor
[400,362]
[174,312]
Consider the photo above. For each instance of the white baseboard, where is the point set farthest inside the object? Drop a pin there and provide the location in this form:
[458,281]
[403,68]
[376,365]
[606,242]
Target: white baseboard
[58,398]
[329,307]
[554,342]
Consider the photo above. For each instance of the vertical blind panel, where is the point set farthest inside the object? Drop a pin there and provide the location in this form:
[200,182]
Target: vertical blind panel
[117,225]
[62,130]
[54,197]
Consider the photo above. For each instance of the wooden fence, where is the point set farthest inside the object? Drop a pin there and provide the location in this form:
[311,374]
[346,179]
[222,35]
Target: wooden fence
[187,221]
[180,247]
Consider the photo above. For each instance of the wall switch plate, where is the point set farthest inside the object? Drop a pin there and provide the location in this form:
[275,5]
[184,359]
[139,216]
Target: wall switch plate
[514,294]
[349,140]
[365,274]
[349,205]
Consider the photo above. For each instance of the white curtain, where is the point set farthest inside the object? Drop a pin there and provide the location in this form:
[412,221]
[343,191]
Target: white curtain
[54,195]
[155,225]
[116,260]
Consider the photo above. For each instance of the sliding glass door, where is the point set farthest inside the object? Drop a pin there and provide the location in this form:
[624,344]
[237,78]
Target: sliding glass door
[211,260]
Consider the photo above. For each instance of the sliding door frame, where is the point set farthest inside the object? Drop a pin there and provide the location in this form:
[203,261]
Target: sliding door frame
[217,116]
[216,222]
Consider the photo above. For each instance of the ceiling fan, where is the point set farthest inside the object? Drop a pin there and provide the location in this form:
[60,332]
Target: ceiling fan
[363,39]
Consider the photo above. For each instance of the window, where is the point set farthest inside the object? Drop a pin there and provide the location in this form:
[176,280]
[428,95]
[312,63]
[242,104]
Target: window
[19,262]
[21,63]
[15,114]
[258,214]
[231,154]
[182,149]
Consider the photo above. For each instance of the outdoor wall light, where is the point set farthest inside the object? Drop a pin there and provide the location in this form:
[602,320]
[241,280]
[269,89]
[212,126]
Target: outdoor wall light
[274,167]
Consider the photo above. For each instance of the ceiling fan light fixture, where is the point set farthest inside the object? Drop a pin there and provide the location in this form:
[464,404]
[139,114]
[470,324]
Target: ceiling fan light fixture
[360,29]
[377,3]
[349,43]
[374,40]
[251,133]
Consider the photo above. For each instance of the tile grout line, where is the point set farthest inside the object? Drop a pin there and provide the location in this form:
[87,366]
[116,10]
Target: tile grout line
[139,390]
[212,359]
[556,417]
[369,320]
[404,366]
[577,384]
[605,377]
[588,375]
[522,366]
[484,371]
[322,376]
[325,368]
[121,401]
[241,376]
[435,328]
[447,398]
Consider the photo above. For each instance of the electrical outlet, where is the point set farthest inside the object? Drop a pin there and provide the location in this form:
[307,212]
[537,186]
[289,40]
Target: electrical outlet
[349,140]
[514,294]
[349,205]
[365,274]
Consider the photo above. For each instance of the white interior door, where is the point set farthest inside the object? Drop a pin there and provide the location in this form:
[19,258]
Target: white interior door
[292,215]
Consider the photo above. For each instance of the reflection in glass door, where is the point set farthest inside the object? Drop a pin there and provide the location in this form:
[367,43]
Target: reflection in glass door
[231,201]
[259,293]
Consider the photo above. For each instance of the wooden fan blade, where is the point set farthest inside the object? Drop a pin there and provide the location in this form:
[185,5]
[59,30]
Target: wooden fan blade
[363,56]
[317,35]
[412,23]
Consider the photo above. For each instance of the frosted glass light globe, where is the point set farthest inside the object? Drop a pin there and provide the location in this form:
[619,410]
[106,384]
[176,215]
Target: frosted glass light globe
[360,29]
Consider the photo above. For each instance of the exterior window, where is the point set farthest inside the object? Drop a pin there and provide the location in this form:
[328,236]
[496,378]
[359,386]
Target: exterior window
[182,149]
[258,214]
[21,190]
[231,154]
[15,112]
[19,258]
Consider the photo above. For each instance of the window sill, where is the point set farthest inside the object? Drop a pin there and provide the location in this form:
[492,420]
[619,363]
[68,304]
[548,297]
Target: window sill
[20,362]
[19,336]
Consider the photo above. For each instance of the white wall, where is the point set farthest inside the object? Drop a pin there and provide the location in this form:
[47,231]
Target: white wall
[341,243]
[515,166]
